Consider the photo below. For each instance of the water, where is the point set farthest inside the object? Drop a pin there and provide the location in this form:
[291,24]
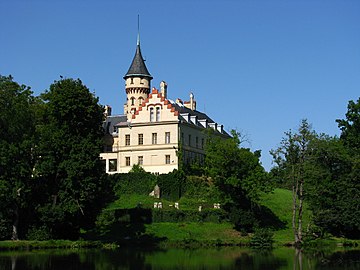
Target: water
[213,258]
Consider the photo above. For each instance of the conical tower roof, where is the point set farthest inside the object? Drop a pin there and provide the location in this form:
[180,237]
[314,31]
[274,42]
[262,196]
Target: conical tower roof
[138,67]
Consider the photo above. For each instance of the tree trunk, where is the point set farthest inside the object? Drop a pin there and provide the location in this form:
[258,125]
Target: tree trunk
[294,193]
[15,223]
[300,213]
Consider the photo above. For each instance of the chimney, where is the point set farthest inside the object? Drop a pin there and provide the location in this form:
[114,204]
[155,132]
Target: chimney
[163,89]
[192,102]
[107,110]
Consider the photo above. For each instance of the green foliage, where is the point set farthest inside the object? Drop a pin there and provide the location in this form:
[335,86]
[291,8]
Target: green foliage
[236,171]
[350,127]
[262,238]
[69,170]
[134,182]
[172,185]
[334,187]
[176,216]
[17,131]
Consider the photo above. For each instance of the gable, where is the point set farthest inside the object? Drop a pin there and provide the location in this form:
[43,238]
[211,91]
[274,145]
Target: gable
[155,108]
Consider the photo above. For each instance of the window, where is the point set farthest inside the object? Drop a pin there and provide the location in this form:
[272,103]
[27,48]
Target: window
[151,114]
[197,142]
[167,137]
[141,139]
[202,143]
[154,138]
[132,101]
[131,80]
[167,159]
[140,160]
[189,140]
[157,114]
[127,161]
[127,139]
[112,165]
[140,100]
[182,137]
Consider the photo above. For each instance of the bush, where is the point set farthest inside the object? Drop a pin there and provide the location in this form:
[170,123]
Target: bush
[39,233]
[133,183]
[172,185]
[262,238]
[175,215]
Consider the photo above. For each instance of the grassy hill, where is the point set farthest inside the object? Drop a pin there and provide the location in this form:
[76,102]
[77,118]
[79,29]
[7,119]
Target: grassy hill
[279,202]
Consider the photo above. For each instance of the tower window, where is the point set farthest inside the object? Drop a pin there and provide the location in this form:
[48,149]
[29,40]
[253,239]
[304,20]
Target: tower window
[131,80]
[132,101]
[140,100]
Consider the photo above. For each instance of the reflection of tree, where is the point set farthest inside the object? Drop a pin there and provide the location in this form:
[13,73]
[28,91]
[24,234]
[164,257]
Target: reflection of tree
[260,260]
[298,259]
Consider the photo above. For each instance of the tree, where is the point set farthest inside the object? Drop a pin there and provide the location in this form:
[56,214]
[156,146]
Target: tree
[333,189]
[70,174]
[350,127]
[237,174]
[17,128]
[292,157]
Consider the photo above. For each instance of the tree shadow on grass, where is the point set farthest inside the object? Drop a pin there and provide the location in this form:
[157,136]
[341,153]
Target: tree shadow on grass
[267,219]
[128,226]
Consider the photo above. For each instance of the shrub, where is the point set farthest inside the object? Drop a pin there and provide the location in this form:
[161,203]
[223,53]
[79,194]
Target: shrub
[133,183]
[262,238]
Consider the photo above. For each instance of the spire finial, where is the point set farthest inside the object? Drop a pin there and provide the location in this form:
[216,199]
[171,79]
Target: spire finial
[138,35]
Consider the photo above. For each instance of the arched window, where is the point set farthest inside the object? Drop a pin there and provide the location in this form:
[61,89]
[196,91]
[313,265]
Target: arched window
[157,114]
[132,101]
[140,100]
[151,114]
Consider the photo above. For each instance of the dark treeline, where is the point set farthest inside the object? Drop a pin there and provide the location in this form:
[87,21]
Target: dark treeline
[53,185]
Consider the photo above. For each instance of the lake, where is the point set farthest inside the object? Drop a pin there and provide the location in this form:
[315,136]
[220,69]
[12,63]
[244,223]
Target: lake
[205,258]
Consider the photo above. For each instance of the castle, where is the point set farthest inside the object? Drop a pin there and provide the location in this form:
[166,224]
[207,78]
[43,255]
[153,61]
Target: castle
[153,128]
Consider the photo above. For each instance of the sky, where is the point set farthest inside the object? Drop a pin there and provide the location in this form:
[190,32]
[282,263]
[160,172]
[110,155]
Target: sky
[259,67]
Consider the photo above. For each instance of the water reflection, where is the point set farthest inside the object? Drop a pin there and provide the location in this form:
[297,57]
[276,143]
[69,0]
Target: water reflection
[221,258]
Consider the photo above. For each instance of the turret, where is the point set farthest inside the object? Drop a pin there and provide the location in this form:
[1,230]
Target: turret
[137,83]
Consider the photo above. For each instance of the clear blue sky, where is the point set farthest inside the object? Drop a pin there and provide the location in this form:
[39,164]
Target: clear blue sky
[255,66]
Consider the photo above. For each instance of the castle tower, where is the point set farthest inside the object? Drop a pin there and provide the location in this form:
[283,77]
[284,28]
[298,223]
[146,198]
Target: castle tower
[137,83]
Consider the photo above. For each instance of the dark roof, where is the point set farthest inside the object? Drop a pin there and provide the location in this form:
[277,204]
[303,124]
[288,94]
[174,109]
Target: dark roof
[112,121]
[138,67]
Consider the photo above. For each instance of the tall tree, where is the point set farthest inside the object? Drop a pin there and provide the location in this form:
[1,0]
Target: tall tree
[291,157]
[69,167]
[238,175]
[333,189]
[17,127]
[350,127]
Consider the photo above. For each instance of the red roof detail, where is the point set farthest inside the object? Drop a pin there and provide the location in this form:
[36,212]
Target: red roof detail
[154,91]
[162,98]
[166,102]
[133,116]
[176,113]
